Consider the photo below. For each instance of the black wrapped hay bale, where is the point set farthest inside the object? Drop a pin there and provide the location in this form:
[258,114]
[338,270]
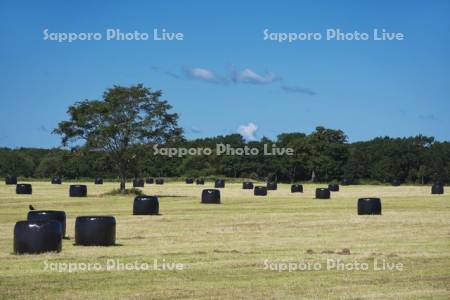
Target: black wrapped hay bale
[78,190]
[272,186]
[200,181]
[396,182]
[49,215]
[159,181]
[189,180]
[10,180]
[95,231]
[149,180]
[211,196]
[296,188]
[219,183]
[98,180]
[333,187]
[347,181]
[24,189]
[247,185]
[138,182]
[56,180]
[34,237]
[146,205]
[322,193]
[369,206]
[437,189]
[260,191]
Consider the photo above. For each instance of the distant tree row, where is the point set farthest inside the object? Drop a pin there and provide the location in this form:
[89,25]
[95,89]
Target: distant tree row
[324,153]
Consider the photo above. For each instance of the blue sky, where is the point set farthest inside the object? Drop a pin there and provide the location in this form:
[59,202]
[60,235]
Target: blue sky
[223,77]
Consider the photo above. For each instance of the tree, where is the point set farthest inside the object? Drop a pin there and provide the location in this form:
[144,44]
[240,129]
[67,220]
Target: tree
[124,118]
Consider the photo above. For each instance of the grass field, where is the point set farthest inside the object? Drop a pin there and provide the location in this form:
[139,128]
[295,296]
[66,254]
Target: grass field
[226,249]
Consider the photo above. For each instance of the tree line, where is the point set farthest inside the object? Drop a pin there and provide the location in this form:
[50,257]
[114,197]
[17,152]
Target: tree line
[325,154]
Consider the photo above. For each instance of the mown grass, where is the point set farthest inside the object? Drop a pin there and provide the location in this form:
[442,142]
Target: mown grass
[223,248]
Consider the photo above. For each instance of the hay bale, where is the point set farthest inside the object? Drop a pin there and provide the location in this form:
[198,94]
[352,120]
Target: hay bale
[260,191]
[56,180]
[98,180]
[146,205]
[159,181]
[333,187]
[34,237]
[297,188]
[78,190]
[49,215]
[10,180]
[200,181]
[272,186]
[437,189]
[149,180]
[189,180]
[322,193]
[219,183]
[24,189]
[369,206]
[138,182]
[396,182]
[95,231]
[247,185]
[347,181]
[211,196]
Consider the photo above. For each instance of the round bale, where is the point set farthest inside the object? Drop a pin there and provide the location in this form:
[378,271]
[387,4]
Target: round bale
[437,189]
[260,191]
[219,183]
[95,231]
[49,215]
[10,180]
[78,190]
[396,182]
[347,181]
[247,185]
[146,205]
[297,188]
[24,189]
[98,180]
[322,193]
[189,180]
[211,196]
[56,180]
[34,237]
[333,187]
[159,181]
[200,181]
[272,186]
[369,206]
[138,182]
[149,180]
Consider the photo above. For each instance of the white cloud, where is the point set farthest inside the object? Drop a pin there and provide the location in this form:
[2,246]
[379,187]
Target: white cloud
[248,131]
[249,76]
[201,74]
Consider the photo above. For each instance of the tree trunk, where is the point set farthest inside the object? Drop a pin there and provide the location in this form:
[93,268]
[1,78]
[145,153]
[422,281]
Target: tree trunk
[122,184]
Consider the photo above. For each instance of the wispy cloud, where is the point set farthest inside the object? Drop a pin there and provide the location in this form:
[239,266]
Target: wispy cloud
[201,74]
[195,129]
[297,89]
[429,117]
[248,131]
[244,76]
[249,76]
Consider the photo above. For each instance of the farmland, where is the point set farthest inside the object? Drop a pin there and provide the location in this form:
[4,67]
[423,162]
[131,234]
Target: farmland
[242,248]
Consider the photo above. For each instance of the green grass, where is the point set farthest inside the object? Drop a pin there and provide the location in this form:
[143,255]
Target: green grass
[223,247]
